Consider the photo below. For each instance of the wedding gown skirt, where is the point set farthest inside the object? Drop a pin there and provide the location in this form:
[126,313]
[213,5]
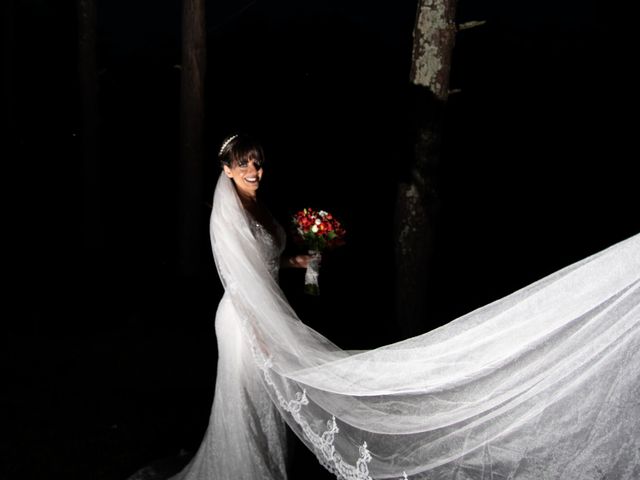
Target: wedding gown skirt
[246,436]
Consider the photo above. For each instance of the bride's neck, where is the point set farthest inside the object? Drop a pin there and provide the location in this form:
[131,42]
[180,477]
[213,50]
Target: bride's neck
[248,201]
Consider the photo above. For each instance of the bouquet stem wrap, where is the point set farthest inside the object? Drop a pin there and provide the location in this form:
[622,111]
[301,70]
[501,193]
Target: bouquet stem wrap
[311,274]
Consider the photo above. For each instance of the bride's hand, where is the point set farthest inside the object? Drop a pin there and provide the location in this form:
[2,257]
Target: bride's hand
[299,261]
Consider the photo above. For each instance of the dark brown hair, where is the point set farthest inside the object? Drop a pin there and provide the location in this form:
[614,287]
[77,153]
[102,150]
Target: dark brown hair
[242,147]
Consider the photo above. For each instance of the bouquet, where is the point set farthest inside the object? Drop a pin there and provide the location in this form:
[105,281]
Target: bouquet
[317,231]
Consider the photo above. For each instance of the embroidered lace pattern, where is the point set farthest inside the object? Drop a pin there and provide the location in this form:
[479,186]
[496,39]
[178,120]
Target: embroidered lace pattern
[323,445]
[271,246]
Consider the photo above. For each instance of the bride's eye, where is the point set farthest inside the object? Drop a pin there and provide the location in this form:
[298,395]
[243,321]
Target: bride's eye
[245,163]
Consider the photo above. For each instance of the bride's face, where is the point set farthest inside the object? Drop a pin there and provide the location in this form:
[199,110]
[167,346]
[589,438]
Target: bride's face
[246,174]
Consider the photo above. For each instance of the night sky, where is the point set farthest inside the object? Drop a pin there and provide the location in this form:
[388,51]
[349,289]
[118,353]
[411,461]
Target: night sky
[112,353]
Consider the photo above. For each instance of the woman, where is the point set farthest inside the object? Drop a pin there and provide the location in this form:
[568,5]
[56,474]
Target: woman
[540,384]
[246,436]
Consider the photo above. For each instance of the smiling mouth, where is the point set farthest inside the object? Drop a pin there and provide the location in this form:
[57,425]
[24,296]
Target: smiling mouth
[251,180]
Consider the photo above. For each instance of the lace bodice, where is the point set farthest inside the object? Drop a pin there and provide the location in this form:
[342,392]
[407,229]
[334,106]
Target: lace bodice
[271,247]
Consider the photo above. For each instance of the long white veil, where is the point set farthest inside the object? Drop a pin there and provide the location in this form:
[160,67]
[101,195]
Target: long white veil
[544,383]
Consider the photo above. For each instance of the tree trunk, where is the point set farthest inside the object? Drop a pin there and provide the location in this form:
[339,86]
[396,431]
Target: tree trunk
[88,73]
[417,204]
[191,205]
[7,70]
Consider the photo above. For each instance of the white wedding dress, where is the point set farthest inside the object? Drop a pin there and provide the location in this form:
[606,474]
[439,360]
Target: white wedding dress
[246,436]
[542,384]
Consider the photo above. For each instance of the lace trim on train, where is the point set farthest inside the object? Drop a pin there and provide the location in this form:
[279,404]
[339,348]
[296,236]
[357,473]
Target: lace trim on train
[323,443]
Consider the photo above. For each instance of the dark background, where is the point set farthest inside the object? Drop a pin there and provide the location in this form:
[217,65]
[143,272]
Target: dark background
[112,354]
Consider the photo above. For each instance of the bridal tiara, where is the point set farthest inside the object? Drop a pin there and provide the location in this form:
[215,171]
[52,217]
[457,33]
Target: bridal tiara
[226,143]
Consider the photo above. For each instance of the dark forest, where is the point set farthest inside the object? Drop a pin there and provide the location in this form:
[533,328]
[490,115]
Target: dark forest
[110,348]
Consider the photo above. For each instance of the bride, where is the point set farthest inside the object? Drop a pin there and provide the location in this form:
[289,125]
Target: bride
[542,384]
